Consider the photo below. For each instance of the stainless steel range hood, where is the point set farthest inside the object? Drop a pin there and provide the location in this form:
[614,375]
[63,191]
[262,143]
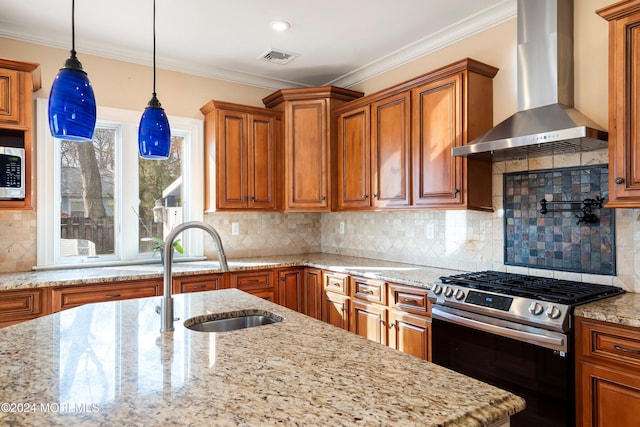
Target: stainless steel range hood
[546,123]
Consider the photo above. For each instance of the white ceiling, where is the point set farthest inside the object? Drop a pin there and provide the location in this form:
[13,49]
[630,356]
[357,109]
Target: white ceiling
[338,42]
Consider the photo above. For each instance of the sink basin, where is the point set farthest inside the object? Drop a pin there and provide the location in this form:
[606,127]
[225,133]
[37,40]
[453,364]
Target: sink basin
[231,321]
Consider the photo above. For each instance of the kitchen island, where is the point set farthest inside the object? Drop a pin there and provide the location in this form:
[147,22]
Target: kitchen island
[108,364]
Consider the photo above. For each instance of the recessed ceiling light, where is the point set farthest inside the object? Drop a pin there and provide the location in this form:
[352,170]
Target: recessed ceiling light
[280,25]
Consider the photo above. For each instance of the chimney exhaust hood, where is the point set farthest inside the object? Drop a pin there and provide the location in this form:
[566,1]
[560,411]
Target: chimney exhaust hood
[546,122]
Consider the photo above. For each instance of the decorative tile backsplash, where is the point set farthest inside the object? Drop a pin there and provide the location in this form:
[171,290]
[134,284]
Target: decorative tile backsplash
[559,239]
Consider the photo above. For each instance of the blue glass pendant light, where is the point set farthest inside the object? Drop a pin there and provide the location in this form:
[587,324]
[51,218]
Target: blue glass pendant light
[154,132]
[72,104]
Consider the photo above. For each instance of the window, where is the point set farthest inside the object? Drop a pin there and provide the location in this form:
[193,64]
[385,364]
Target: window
[100,203]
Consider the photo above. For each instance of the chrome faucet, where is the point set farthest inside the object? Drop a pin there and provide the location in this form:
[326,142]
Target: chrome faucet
[167,300]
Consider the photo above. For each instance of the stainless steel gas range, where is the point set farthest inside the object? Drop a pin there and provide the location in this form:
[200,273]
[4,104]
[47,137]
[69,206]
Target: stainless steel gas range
[513,331]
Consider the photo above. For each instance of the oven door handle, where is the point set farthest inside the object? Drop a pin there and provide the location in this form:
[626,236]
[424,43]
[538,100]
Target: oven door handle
[558,343]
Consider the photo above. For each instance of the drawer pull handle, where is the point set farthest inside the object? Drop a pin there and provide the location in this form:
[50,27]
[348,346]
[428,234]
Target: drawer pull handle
[199,287]
[112,296]
[626,350]
[409,300]
[366,291]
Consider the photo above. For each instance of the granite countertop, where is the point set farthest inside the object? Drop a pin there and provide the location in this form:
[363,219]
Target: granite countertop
[385,270]
[621,309]
[108,364]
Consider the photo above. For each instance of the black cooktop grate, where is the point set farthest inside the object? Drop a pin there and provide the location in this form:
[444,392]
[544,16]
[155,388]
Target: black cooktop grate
[541,288]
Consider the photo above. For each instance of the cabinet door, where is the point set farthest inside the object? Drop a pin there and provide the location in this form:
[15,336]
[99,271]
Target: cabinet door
[354,159]
[10,96]
[410,334]
[335,310]
[307,156]
[312,294]
[261,169]
[369,321]
[436,129]
[391,145]
[624,105]
[290,289]
[231,141]
[609,398]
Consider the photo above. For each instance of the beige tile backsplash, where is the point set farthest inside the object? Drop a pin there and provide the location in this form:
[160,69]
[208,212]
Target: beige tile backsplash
[460,240]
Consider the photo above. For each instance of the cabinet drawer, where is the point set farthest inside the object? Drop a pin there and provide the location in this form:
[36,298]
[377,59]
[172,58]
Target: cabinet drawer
[410,299]
[67,297]
[613,343]
[369,290]
[22,304]
[336,282]
[209,282]
[254,280]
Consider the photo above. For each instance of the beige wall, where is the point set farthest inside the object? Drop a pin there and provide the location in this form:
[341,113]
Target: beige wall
[124,85]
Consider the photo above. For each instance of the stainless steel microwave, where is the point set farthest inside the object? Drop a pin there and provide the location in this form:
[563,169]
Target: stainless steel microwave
[11,173]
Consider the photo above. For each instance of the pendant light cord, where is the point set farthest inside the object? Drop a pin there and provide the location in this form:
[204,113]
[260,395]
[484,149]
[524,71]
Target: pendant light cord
[73,27]
[154,48]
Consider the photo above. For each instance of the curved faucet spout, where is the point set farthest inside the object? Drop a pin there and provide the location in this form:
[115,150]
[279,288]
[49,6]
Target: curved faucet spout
[167,299]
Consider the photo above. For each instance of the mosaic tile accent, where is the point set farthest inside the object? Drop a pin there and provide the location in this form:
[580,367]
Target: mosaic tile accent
[556,240]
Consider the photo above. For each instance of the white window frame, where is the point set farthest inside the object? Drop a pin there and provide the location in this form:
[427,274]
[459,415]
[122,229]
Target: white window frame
[125,220]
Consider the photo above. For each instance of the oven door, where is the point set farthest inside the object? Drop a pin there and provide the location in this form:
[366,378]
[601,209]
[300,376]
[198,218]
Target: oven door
[532,363]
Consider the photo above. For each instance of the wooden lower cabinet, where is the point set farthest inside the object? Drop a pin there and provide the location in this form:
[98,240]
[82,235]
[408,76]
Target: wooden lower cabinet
[259,283]
[312,293]
[290,288]
[369,321]
[19,305]
[73,296]
[198,283]
[410,320]
[335,309]
[410,334]
[607,374]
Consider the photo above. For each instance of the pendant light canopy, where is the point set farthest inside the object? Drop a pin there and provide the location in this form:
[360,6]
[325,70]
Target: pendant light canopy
[154,132]
[72,104]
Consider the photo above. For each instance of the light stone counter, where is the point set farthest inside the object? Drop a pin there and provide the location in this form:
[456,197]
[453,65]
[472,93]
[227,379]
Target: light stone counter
[621,309]
[107,364]
[392,271]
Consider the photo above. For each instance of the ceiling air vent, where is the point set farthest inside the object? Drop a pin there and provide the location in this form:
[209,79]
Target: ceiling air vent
[277,56]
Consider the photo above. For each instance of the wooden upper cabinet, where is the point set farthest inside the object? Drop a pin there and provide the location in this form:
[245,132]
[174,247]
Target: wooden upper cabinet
[450,108]
[354,159]
[242,146]
[10,95]
[374,152]
[17,82]
[624,103]
[310,138]
[391,151]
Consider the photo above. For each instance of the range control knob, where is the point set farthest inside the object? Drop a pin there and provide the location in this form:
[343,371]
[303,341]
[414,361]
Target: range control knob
[448,291]
[436,289]
[535,309]
[553,312]
[459,294]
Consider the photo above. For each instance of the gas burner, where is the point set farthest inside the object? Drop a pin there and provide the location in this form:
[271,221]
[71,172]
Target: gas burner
[539,288]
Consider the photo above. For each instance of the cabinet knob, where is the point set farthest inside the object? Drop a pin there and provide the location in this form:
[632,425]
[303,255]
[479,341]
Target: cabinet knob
[392,325]
[253,198]
[618,180]
[365,197]
[342,309]
[375,196]
[323,198]
[456,191]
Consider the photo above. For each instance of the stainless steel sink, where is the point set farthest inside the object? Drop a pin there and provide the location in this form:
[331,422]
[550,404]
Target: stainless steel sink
[231,321]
